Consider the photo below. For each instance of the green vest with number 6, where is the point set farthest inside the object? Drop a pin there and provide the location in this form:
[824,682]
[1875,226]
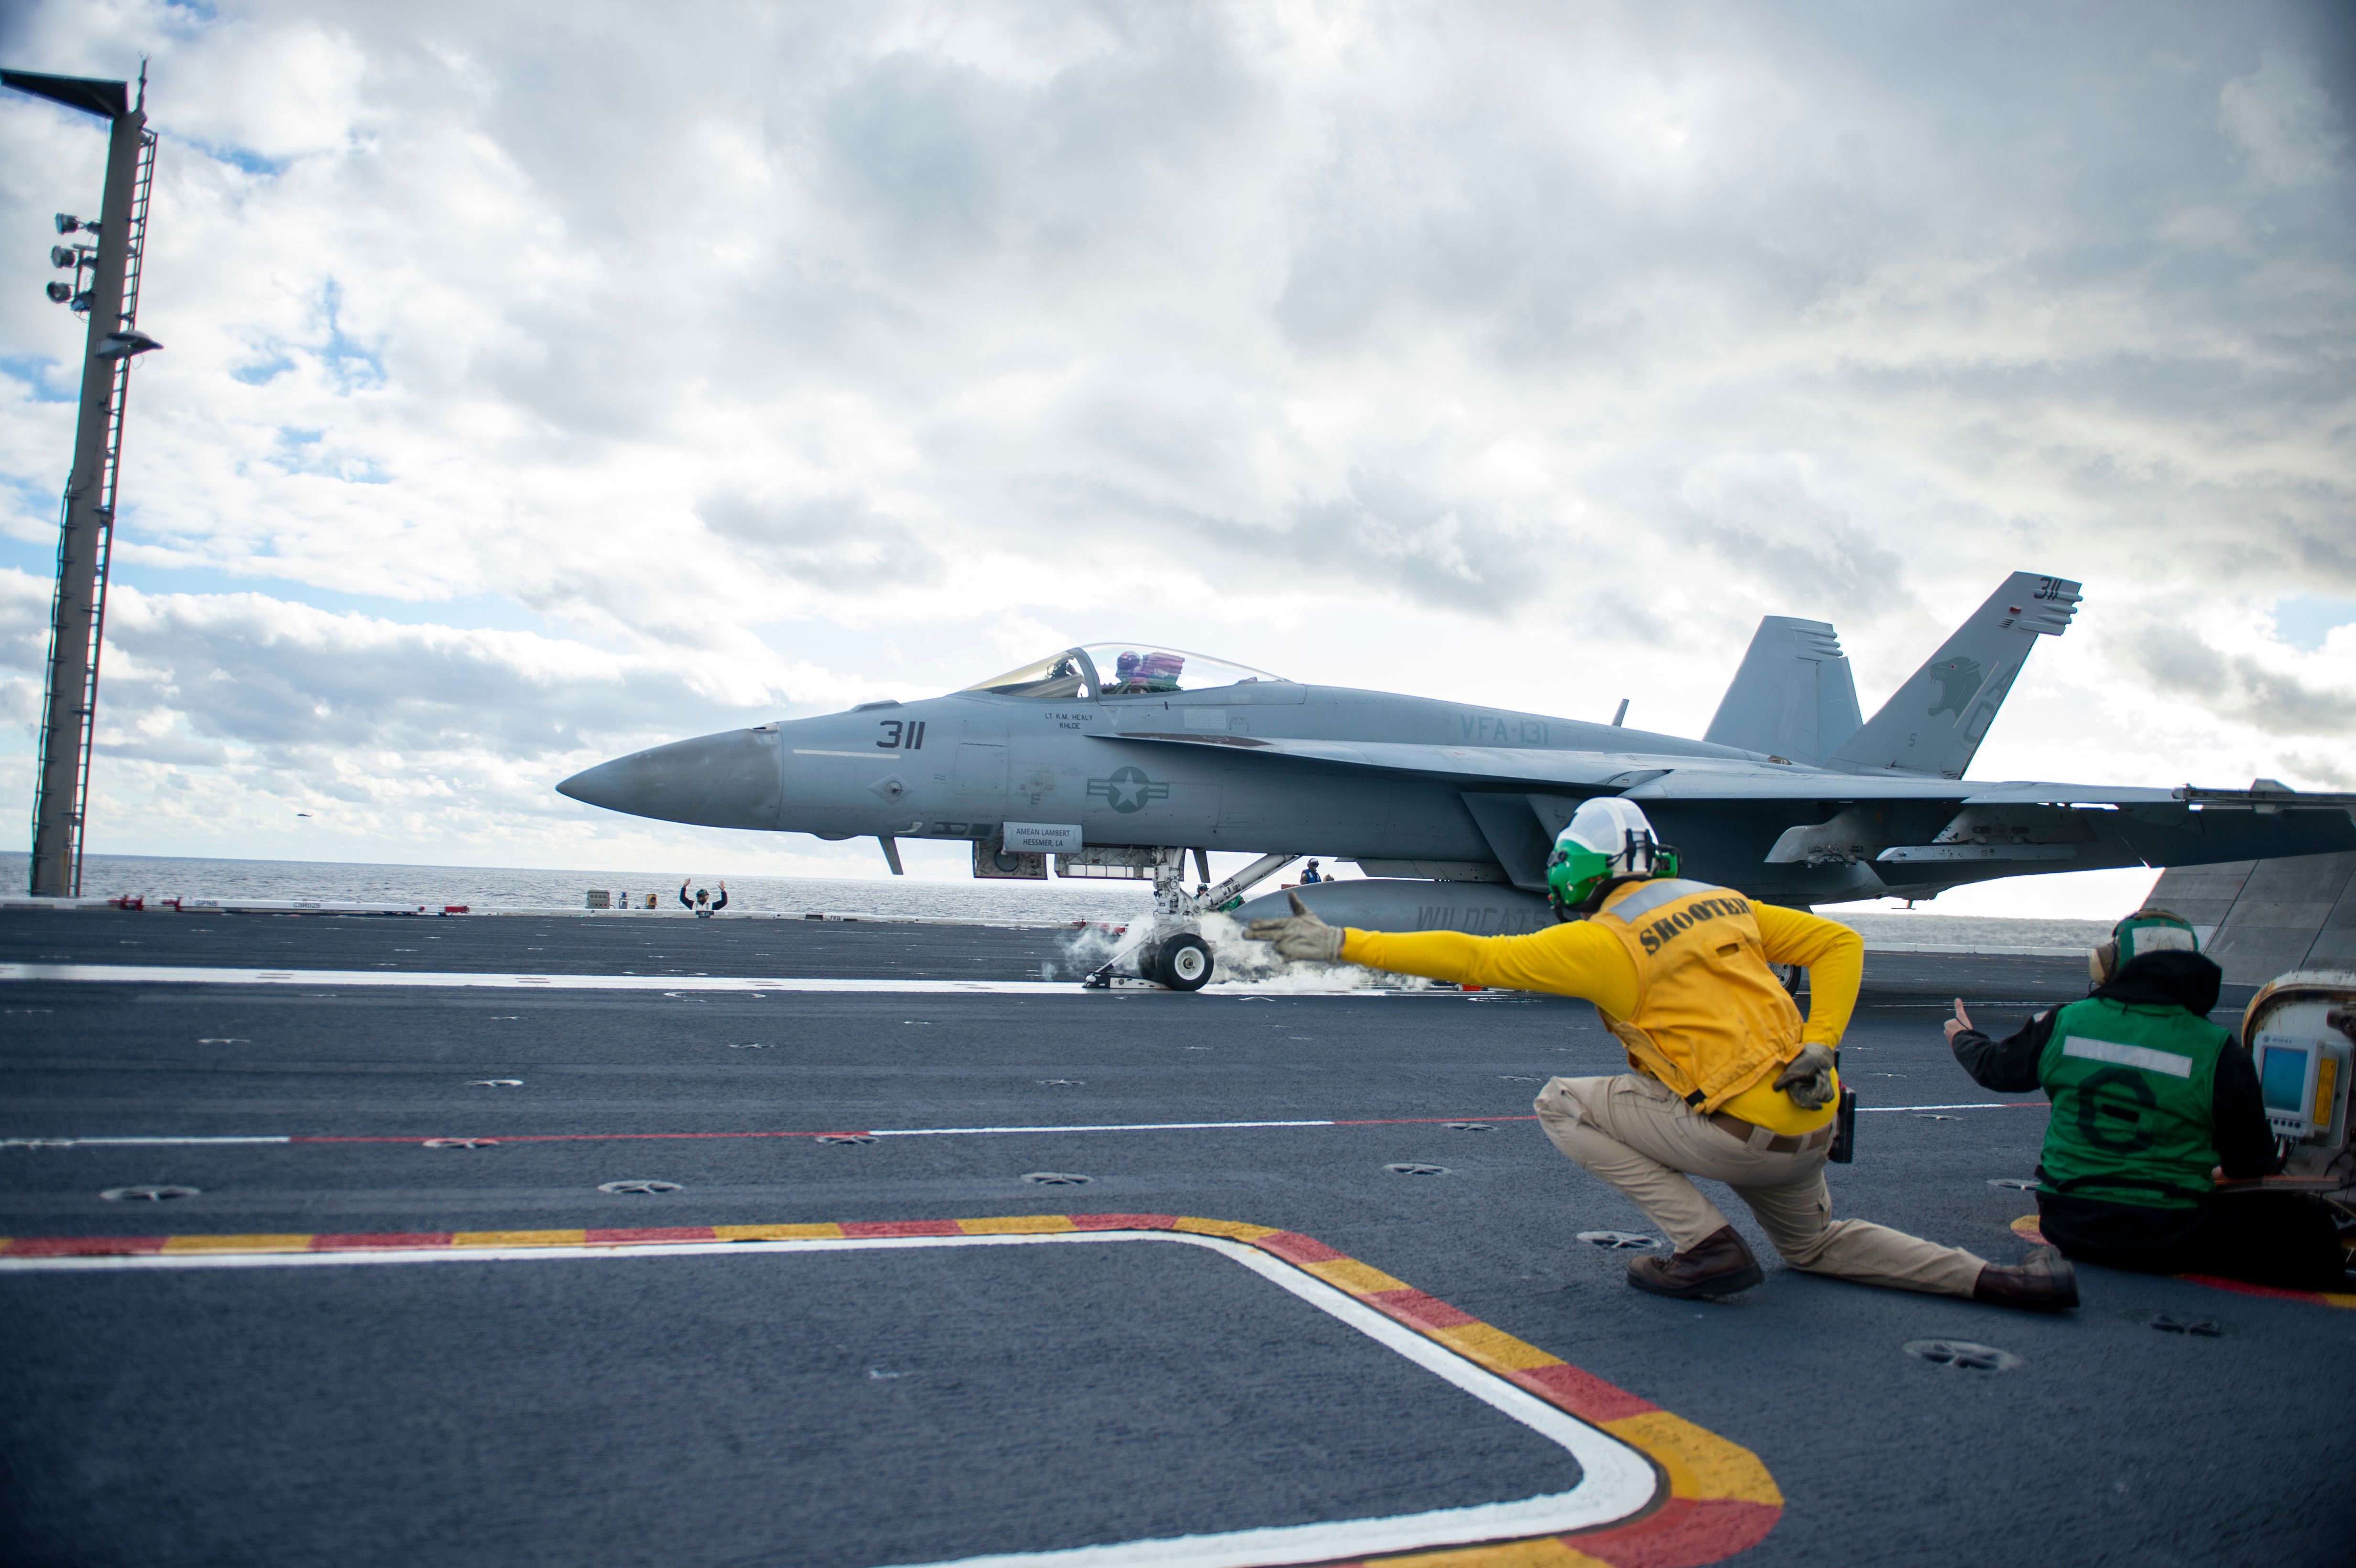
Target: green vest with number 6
[2133,1086]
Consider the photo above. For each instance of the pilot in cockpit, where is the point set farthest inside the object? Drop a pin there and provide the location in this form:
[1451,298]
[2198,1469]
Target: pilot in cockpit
[1136,673]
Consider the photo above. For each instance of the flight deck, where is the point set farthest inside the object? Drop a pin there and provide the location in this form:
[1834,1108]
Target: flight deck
[761,1242]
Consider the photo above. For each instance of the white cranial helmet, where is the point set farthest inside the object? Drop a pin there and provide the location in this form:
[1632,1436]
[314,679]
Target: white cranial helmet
[1607,838]
[1618,830]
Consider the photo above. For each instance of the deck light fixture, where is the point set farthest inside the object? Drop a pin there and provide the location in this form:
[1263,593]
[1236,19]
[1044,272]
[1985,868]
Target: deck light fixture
[126,343]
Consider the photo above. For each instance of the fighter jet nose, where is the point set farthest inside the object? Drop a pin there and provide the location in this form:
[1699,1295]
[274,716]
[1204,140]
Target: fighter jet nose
[728,780]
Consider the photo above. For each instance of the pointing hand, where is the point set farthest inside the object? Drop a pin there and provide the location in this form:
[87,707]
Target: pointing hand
[1959,1023]
[1304,938]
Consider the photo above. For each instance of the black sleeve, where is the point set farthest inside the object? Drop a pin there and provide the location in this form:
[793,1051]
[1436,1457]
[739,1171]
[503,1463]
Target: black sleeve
[721,903]
[684,899]
[2245,1144]
[2010,1065]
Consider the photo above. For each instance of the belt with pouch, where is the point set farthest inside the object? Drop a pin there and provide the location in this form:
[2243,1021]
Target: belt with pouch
[1758,1137]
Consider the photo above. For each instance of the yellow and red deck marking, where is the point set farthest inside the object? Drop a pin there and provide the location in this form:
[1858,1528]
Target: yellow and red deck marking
[2027,1228]
[1712,1498]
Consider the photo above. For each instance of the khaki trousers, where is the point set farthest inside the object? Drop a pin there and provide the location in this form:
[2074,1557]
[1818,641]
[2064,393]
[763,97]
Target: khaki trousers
[1639,1137]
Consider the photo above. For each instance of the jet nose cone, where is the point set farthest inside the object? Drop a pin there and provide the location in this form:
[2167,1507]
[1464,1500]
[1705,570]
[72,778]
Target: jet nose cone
[728,780]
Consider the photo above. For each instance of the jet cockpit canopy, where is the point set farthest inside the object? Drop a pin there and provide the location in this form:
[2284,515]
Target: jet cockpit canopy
[1117,670]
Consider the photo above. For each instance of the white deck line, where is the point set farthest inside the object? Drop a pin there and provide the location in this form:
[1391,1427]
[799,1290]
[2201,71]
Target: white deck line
[1615,1480]
[1975,1105]
[1106,1128]
[175,974]
[1974,950]
[139,1143]
[906,1132]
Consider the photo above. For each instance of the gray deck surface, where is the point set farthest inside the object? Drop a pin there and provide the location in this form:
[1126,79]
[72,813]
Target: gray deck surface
[740,1411]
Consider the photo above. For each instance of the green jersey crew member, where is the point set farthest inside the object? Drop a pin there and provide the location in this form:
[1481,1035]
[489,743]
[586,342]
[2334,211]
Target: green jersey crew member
[2151,1100]
[1729,1081]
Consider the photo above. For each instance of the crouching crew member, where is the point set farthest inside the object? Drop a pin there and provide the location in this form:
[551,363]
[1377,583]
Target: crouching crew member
[1729,1082]
[2152,1102]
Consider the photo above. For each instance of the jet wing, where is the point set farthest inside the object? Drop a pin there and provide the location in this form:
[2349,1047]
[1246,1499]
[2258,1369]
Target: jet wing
[1658,776]
[1642,776]
[1487,765]
[1702,784]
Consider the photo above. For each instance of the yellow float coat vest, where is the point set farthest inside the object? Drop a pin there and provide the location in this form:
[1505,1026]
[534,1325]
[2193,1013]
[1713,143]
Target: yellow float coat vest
[1711,1019]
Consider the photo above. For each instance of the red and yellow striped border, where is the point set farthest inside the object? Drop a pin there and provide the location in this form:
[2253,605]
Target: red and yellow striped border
[1714,1498]
[2028,1229]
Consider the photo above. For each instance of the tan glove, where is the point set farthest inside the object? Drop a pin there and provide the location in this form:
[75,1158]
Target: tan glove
[1809,1078]
[1304,938]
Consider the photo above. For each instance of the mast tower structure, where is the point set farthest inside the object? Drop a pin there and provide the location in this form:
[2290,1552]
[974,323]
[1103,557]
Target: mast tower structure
[86,514]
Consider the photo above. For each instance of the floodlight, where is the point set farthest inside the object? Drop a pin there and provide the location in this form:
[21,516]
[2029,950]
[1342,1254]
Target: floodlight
[64,256]
[61,291]
[124,344]
[67,223]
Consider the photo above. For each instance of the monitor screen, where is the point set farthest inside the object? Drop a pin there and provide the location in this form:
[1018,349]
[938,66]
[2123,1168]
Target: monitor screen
[2282,1078]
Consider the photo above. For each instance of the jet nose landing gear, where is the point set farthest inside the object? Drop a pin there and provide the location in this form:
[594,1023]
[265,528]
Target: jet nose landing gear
[1176,961]
[1174,954]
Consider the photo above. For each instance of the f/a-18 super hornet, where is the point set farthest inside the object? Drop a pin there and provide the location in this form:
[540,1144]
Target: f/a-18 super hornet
[1115,760]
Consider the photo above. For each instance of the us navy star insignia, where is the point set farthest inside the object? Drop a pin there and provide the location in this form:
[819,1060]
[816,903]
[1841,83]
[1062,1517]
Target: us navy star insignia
[1127,790]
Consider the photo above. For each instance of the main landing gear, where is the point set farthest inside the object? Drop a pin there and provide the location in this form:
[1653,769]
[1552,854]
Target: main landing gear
[1170,952]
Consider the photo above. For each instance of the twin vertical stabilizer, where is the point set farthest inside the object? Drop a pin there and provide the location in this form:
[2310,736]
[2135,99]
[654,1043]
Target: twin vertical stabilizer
[1793,697]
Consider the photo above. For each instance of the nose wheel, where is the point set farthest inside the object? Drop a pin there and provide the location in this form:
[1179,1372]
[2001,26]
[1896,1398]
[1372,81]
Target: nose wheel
[1183,962]
[1178,962]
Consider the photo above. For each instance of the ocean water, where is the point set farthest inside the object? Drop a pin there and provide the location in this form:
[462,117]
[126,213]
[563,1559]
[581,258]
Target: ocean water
[506,888]
[485,888]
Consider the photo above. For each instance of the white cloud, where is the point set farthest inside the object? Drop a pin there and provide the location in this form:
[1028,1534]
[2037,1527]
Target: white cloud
[2281,117]
[547,379]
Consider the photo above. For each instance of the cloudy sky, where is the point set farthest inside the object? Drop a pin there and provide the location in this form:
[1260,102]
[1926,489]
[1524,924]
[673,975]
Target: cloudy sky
[544,382]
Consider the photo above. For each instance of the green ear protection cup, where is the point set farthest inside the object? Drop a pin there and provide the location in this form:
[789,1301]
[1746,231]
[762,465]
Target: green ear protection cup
[1572,872]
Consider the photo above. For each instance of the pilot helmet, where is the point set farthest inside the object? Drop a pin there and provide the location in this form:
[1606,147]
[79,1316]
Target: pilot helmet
[2146,931]
[1607,840]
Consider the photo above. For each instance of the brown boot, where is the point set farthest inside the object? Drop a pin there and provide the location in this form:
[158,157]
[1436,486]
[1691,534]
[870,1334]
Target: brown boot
[2046,1282]
[1717,1264]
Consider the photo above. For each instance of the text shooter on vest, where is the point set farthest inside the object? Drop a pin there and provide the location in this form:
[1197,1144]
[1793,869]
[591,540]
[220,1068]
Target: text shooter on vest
[1729,1081]
[2152,1104]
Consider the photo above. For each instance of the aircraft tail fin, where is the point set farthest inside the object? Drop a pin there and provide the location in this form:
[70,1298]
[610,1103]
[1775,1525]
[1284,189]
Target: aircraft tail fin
[1934,722]
[1793,695]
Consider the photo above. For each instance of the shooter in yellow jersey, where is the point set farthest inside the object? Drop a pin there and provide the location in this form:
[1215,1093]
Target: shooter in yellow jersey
[1729,1081]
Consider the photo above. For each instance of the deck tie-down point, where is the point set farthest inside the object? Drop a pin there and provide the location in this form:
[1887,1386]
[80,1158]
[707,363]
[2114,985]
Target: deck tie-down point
[1055,1179]
[639,1188]
[1962,1353]
[1616,1240]
[151,1193]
